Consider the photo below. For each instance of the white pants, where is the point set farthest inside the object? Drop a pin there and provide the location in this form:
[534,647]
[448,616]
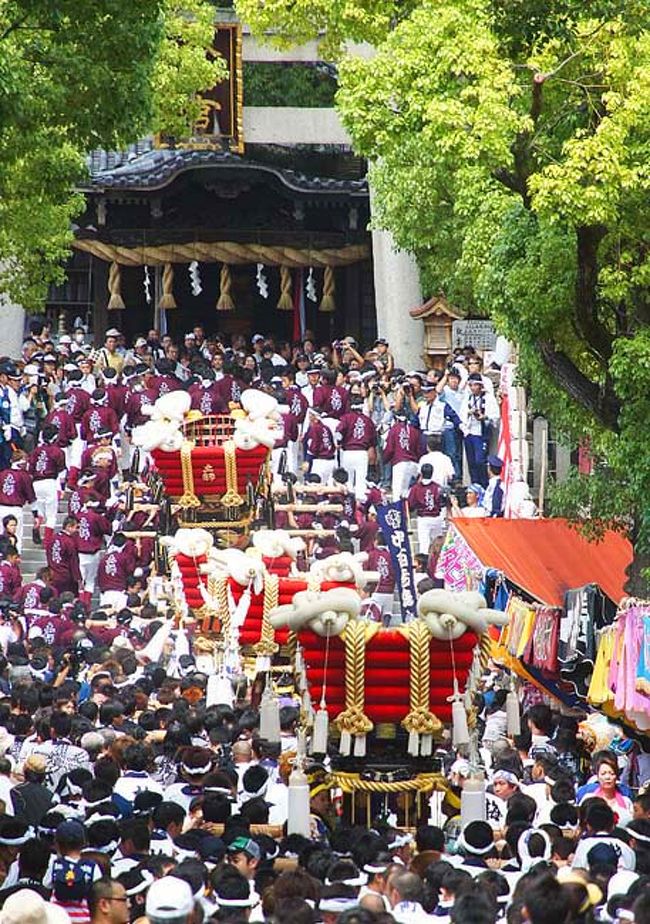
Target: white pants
[429,528]
[402,474]
[89,565]
[355,462]
[384,602]
[113,599]
[18,512]
[47,499]
[324,468]
[74,452]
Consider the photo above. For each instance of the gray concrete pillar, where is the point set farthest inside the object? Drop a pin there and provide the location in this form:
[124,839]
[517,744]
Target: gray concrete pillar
[12,325]
[562,461]
[397,289]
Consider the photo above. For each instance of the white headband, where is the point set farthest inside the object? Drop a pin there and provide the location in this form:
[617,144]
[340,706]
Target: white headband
[337,905]
[234,902]
[462,843]
[401,841]
[360,880]
[17,841]
[522,848]
[196,771]
[374,868]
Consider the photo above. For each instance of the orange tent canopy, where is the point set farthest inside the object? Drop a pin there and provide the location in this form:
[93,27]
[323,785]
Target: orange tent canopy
[548,557]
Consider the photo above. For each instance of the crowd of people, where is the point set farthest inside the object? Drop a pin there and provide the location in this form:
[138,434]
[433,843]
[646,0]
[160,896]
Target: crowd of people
[126,796]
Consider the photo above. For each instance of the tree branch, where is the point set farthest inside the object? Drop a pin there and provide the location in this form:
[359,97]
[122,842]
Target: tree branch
[599,401]
[13,26]
[588,324]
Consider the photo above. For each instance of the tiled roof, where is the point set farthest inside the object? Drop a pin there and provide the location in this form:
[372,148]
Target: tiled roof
[143,167]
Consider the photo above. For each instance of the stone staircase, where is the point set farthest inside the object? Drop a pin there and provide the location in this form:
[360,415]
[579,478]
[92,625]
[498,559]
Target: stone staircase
[32,555]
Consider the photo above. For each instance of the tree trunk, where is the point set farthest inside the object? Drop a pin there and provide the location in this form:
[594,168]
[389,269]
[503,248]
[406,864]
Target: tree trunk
[598,401]
[638,584]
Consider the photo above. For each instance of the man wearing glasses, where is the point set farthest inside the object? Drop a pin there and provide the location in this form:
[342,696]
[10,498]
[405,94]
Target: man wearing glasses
[108,902]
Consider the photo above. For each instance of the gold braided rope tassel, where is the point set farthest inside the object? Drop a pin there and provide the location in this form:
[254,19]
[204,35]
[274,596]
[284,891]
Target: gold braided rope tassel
[225,302]
[352,722]
[167,300]
[221,593]
[267,646]
[327,302]
[115,302]
[420,723]
[188,498]
[285,302]
[231,498]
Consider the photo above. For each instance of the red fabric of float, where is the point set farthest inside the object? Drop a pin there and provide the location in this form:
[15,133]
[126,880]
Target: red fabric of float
[190,575]
[208,468]
[387,673]
[280,565]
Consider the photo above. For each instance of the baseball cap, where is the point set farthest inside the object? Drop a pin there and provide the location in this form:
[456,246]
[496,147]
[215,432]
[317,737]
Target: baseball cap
[256,338]
[28,907]
[35,763]
[245,845]
[112,332]
[71,829]
[140,342]
[169,898]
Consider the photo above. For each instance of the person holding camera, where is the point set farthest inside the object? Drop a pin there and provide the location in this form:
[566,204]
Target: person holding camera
[409,397]
[479,413]
[383,356]
[452,437]
[32,398]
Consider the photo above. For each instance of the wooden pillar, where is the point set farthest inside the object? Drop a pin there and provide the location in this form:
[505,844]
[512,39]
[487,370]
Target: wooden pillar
[99,270]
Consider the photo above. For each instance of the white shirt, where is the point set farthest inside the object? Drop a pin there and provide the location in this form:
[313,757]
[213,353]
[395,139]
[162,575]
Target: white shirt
[469,424]
[626,856]
[443,469]
[477,511]
[412,913]
[6,785]
[432,416]
[489,493]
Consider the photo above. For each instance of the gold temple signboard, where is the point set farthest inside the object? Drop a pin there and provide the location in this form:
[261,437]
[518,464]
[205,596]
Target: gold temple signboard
[220,124]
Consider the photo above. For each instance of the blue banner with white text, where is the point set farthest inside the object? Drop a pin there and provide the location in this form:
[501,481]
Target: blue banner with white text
[393,522]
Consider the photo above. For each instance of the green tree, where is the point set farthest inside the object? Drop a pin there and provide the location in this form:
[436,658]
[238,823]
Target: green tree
[509,143]
[77,76]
